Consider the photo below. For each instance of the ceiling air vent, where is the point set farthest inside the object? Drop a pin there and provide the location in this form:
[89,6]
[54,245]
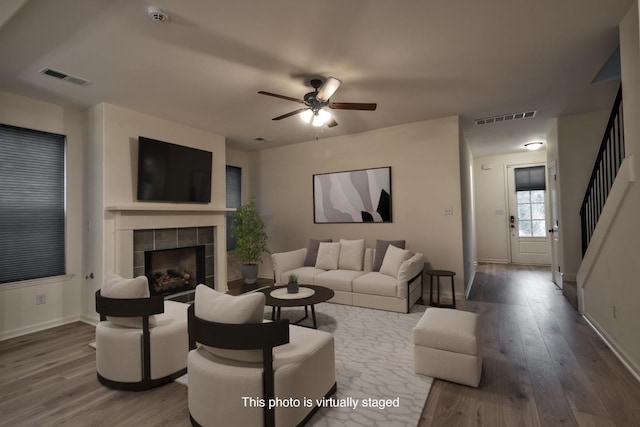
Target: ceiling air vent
[505,118]
[64,76]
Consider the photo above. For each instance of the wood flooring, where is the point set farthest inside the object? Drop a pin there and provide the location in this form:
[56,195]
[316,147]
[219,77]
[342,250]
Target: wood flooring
[543,366]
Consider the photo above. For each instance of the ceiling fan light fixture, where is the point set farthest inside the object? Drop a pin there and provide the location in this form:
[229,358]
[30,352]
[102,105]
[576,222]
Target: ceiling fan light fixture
[321,117]
[306,116]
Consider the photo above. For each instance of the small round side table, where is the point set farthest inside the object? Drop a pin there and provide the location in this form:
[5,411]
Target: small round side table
[438,274]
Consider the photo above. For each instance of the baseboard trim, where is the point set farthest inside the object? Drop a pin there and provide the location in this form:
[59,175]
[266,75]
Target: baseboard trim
[618,352]
[38,327]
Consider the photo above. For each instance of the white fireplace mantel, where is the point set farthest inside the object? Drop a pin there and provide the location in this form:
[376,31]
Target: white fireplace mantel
[122,220]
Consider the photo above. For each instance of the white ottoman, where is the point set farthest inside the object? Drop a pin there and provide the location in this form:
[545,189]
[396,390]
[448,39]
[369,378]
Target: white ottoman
[445,346]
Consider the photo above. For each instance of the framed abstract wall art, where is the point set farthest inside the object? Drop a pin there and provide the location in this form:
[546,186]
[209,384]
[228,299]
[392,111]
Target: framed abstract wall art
[353,196]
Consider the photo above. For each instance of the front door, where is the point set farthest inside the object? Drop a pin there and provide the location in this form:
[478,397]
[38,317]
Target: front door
[528,214]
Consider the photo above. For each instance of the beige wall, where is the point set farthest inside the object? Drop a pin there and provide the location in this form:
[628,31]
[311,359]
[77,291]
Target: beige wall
[18,311]
[611,282]
[579,138]
[425,176]
[491,209]
[113,155]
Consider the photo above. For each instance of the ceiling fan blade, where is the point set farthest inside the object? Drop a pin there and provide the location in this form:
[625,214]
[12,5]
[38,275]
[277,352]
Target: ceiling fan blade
[288,98]
[332,123]
[353,106]
[328,88]
[293,113]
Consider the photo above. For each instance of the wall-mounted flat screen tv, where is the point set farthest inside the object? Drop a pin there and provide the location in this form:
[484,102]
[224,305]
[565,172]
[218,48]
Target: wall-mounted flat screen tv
[173,173]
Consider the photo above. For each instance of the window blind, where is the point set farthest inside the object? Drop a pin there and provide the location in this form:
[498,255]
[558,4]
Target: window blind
[234,199]
[530,178]
[32,204]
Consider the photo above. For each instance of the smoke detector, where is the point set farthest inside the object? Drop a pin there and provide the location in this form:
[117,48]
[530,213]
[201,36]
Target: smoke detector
[157,14]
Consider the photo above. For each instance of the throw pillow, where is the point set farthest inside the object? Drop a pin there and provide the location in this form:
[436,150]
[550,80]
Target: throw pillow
[215,306]
[114,286]
[381,250]
[312,251]
[328,255]
[393,259]
[351,254]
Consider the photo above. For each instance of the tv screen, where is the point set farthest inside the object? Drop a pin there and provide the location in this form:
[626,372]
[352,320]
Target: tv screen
[173,173]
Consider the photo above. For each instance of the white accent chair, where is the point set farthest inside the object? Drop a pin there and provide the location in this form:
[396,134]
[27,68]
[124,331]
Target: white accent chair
[294,363]
[143,356]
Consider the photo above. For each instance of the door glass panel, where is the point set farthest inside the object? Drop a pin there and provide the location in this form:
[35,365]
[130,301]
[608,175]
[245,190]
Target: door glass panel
[523,196]
[537,211]
[537,196]
[524,228]
[524,211]
[538,229]
[531,207]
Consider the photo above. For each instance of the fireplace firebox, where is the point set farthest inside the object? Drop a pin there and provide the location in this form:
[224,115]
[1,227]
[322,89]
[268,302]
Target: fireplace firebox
[174,271]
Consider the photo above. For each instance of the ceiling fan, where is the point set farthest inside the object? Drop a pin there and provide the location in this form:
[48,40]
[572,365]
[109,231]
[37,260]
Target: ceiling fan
[316,101]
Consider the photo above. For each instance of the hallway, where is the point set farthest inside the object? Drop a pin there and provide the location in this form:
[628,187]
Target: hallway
[543,364]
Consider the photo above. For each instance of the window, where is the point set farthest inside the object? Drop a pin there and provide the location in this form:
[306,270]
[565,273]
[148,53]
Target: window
[234,199]
[32,204]
[530,195]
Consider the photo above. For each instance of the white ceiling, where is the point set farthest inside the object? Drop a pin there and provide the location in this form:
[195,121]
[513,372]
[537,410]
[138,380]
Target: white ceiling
[417,59]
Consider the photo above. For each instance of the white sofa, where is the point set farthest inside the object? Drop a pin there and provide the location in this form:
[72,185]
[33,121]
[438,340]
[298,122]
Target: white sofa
[396,287]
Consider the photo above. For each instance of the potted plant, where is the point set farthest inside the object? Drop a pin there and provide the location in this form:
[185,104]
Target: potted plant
[292,285]
[251,239]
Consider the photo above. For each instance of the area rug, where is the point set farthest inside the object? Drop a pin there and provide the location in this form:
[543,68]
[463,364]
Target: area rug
[374,366]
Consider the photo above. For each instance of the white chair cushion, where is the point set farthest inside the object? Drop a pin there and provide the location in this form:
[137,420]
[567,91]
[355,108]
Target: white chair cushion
[215,306]
[351,254]
[114,286]
[393,258]
[328,256]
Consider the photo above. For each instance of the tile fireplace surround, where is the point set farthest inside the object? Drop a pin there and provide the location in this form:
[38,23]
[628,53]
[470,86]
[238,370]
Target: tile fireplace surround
[146,227]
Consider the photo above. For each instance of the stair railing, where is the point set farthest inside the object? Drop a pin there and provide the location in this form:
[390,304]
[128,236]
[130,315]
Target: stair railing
[604,172]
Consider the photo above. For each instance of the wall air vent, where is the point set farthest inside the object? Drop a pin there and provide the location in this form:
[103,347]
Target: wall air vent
[64,76]
[505,118]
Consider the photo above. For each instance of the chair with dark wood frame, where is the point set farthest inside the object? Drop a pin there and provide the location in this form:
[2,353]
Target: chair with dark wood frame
[135,307]
[250,336]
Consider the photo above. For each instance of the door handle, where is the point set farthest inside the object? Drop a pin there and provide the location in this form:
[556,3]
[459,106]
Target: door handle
[512,220]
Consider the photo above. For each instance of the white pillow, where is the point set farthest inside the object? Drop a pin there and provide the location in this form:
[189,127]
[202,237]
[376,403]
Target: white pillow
[328,255]
[351,254]
[115,286]
[215,306]
[393,259]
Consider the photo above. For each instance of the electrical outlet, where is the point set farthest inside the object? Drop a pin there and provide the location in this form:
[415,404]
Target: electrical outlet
[615,312]
[41,299]
[448,211]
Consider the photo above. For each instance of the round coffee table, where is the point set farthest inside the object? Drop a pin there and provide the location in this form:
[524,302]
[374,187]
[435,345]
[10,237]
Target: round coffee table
[307,296]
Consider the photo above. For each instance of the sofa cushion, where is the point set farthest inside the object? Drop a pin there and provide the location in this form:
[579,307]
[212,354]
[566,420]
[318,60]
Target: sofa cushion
[351,254]
[115,286]
[328,255]
[375,283]
[312,251]
[305,275]
[381,250]
[215,306]
[393,259]
[338,280]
